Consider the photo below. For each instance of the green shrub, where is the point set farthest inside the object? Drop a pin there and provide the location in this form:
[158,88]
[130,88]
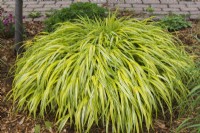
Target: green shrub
[114,71]
[174,22]
[75,10]
[150,9]
[34,15]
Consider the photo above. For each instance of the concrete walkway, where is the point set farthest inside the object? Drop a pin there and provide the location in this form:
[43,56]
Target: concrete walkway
[161,7]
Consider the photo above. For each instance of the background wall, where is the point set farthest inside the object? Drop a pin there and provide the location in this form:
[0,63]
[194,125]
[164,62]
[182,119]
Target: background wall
[161,7]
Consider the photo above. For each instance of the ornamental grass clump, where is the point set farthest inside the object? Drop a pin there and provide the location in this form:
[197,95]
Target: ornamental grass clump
[115,72]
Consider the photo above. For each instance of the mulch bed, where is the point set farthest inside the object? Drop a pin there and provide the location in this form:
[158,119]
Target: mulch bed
[191,38]
[11,122]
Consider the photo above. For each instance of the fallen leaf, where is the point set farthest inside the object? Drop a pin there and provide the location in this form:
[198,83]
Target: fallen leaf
[22,121]
[160,124]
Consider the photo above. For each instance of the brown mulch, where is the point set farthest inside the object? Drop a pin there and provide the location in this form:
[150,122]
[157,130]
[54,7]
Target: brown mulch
[11,122]
[191,39]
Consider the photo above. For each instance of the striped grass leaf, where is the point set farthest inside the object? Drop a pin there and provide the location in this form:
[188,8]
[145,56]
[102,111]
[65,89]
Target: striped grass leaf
[114,72]
[191,107]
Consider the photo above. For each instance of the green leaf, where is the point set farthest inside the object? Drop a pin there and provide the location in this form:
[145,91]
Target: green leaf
[48,125]
[37,129]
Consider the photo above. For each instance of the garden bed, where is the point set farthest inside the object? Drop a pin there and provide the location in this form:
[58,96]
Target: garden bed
[21,122]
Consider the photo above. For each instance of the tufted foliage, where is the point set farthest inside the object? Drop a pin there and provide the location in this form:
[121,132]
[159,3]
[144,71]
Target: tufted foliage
[112,71]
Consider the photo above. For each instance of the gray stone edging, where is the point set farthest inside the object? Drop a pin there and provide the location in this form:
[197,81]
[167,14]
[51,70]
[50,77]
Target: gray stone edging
[161,7]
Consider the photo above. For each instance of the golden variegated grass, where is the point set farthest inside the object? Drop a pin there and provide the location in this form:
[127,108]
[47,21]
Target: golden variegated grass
[114,72]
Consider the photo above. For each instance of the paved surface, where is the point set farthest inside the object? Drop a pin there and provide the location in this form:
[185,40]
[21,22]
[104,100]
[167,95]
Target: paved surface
[161,7]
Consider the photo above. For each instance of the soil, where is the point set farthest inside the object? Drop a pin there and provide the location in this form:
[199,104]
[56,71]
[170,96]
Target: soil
[13,122]
[190,37]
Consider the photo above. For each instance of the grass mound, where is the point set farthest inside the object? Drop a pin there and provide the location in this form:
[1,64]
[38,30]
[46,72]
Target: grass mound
[116,71]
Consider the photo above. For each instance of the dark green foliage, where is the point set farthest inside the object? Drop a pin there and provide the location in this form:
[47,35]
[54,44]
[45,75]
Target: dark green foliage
[90,10]
[87,9]
[57,17]
[191,106]
[174,22]
[192,109]
[34,15]
[150,9]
